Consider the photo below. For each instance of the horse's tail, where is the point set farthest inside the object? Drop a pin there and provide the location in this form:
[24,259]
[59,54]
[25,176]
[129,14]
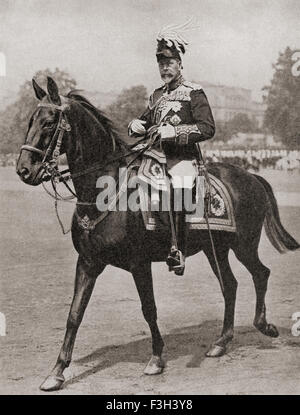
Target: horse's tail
[278,236]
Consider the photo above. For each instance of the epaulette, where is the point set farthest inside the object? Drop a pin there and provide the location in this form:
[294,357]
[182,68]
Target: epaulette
[155,96]
[192,85]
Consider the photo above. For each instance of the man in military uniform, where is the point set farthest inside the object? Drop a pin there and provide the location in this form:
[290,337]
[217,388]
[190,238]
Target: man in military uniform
[182,114]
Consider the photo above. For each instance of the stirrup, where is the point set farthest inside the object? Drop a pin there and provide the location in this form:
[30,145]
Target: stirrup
[175,261]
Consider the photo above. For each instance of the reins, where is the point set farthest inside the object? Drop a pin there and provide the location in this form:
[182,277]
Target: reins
[55,174]
[87,226]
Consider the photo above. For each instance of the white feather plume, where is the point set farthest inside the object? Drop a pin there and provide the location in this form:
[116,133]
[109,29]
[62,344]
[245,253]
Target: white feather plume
[174,33]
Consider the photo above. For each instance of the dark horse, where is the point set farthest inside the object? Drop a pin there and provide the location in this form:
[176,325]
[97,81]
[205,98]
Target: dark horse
[121,239]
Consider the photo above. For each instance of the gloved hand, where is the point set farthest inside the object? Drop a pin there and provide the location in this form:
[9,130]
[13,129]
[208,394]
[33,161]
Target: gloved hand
[137,127]
[167,132]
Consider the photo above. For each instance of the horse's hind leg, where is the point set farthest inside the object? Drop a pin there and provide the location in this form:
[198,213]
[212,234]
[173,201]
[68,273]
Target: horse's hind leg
[260,274]
[84,284]
[143,280]
[230,287]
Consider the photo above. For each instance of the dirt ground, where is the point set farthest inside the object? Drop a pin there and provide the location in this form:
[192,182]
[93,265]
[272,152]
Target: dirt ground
[113,344]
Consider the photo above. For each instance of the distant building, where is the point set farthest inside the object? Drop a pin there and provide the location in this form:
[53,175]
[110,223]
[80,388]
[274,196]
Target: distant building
[227,101]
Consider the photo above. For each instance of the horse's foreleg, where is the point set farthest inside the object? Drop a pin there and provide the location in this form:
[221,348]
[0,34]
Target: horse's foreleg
[84,284]
[230,287]
[143,279]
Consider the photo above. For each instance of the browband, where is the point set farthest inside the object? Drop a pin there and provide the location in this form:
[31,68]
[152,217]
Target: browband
[57,107]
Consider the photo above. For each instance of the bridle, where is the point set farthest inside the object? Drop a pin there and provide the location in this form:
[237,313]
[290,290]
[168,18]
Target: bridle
[56,140]
[52,153]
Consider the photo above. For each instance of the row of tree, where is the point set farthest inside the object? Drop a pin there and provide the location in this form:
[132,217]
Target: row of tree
[282,96]
[239,123]
[282,117]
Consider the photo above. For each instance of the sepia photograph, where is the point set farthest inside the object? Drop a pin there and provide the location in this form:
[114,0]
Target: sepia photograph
[150,199]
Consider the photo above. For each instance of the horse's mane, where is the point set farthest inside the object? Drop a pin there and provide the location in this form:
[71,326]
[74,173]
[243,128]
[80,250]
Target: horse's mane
[105,122]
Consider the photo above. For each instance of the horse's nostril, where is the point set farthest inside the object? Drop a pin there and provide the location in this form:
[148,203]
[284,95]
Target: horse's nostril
[24,173]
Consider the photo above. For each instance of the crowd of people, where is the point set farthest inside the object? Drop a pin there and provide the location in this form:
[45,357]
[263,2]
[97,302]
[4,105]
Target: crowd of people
[257,159]
[249,159]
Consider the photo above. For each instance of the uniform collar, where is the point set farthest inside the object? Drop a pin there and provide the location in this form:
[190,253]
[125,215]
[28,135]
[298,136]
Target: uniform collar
[173,85]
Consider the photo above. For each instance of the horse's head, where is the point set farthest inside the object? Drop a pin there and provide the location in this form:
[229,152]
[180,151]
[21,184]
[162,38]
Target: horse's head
[46,128]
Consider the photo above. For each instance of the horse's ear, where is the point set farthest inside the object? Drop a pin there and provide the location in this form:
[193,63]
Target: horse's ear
[39,92]
[53,91]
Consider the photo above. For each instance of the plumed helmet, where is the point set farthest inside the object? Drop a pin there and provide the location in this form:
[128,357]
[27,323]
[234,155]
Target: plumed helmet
[170,42]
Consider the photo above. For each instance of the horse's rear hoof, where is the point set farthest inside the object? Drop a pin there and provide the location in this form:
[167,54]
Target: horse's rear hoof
[216,351]
[272,331]
[52,383]
[155,366]
[268,330]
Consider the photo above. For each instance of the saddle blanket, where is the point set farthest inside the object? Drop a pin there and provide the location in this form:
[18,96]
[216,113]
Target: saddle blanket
[221,214]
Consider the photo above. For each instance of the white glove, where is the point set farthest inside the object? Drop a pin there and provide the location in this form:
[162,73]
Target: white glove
[137,126]
[167,132]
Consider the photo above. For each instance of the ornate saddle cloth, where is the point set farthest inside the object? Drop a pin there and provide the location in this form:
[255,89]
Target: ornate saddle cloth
[152,171]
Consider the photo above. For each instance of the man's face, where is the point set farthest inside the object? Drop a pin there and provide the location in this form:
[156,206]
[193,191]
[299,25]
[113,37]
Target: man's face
[169,69]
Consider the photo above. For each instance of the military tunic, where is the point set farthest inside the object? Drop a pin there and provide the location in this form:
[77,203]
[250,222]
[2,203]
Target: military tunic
[186,108]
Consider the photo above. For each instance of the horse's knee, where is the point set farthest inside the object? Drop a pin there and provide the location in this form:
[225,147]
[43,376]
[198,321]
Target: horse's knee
[230,285]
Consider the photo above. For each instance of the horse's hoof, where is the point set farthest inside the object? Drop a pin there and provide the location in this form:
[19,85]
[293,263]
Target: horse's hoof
[52,383]
[267,329]
[216,351]
[155,366]
[270,330]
